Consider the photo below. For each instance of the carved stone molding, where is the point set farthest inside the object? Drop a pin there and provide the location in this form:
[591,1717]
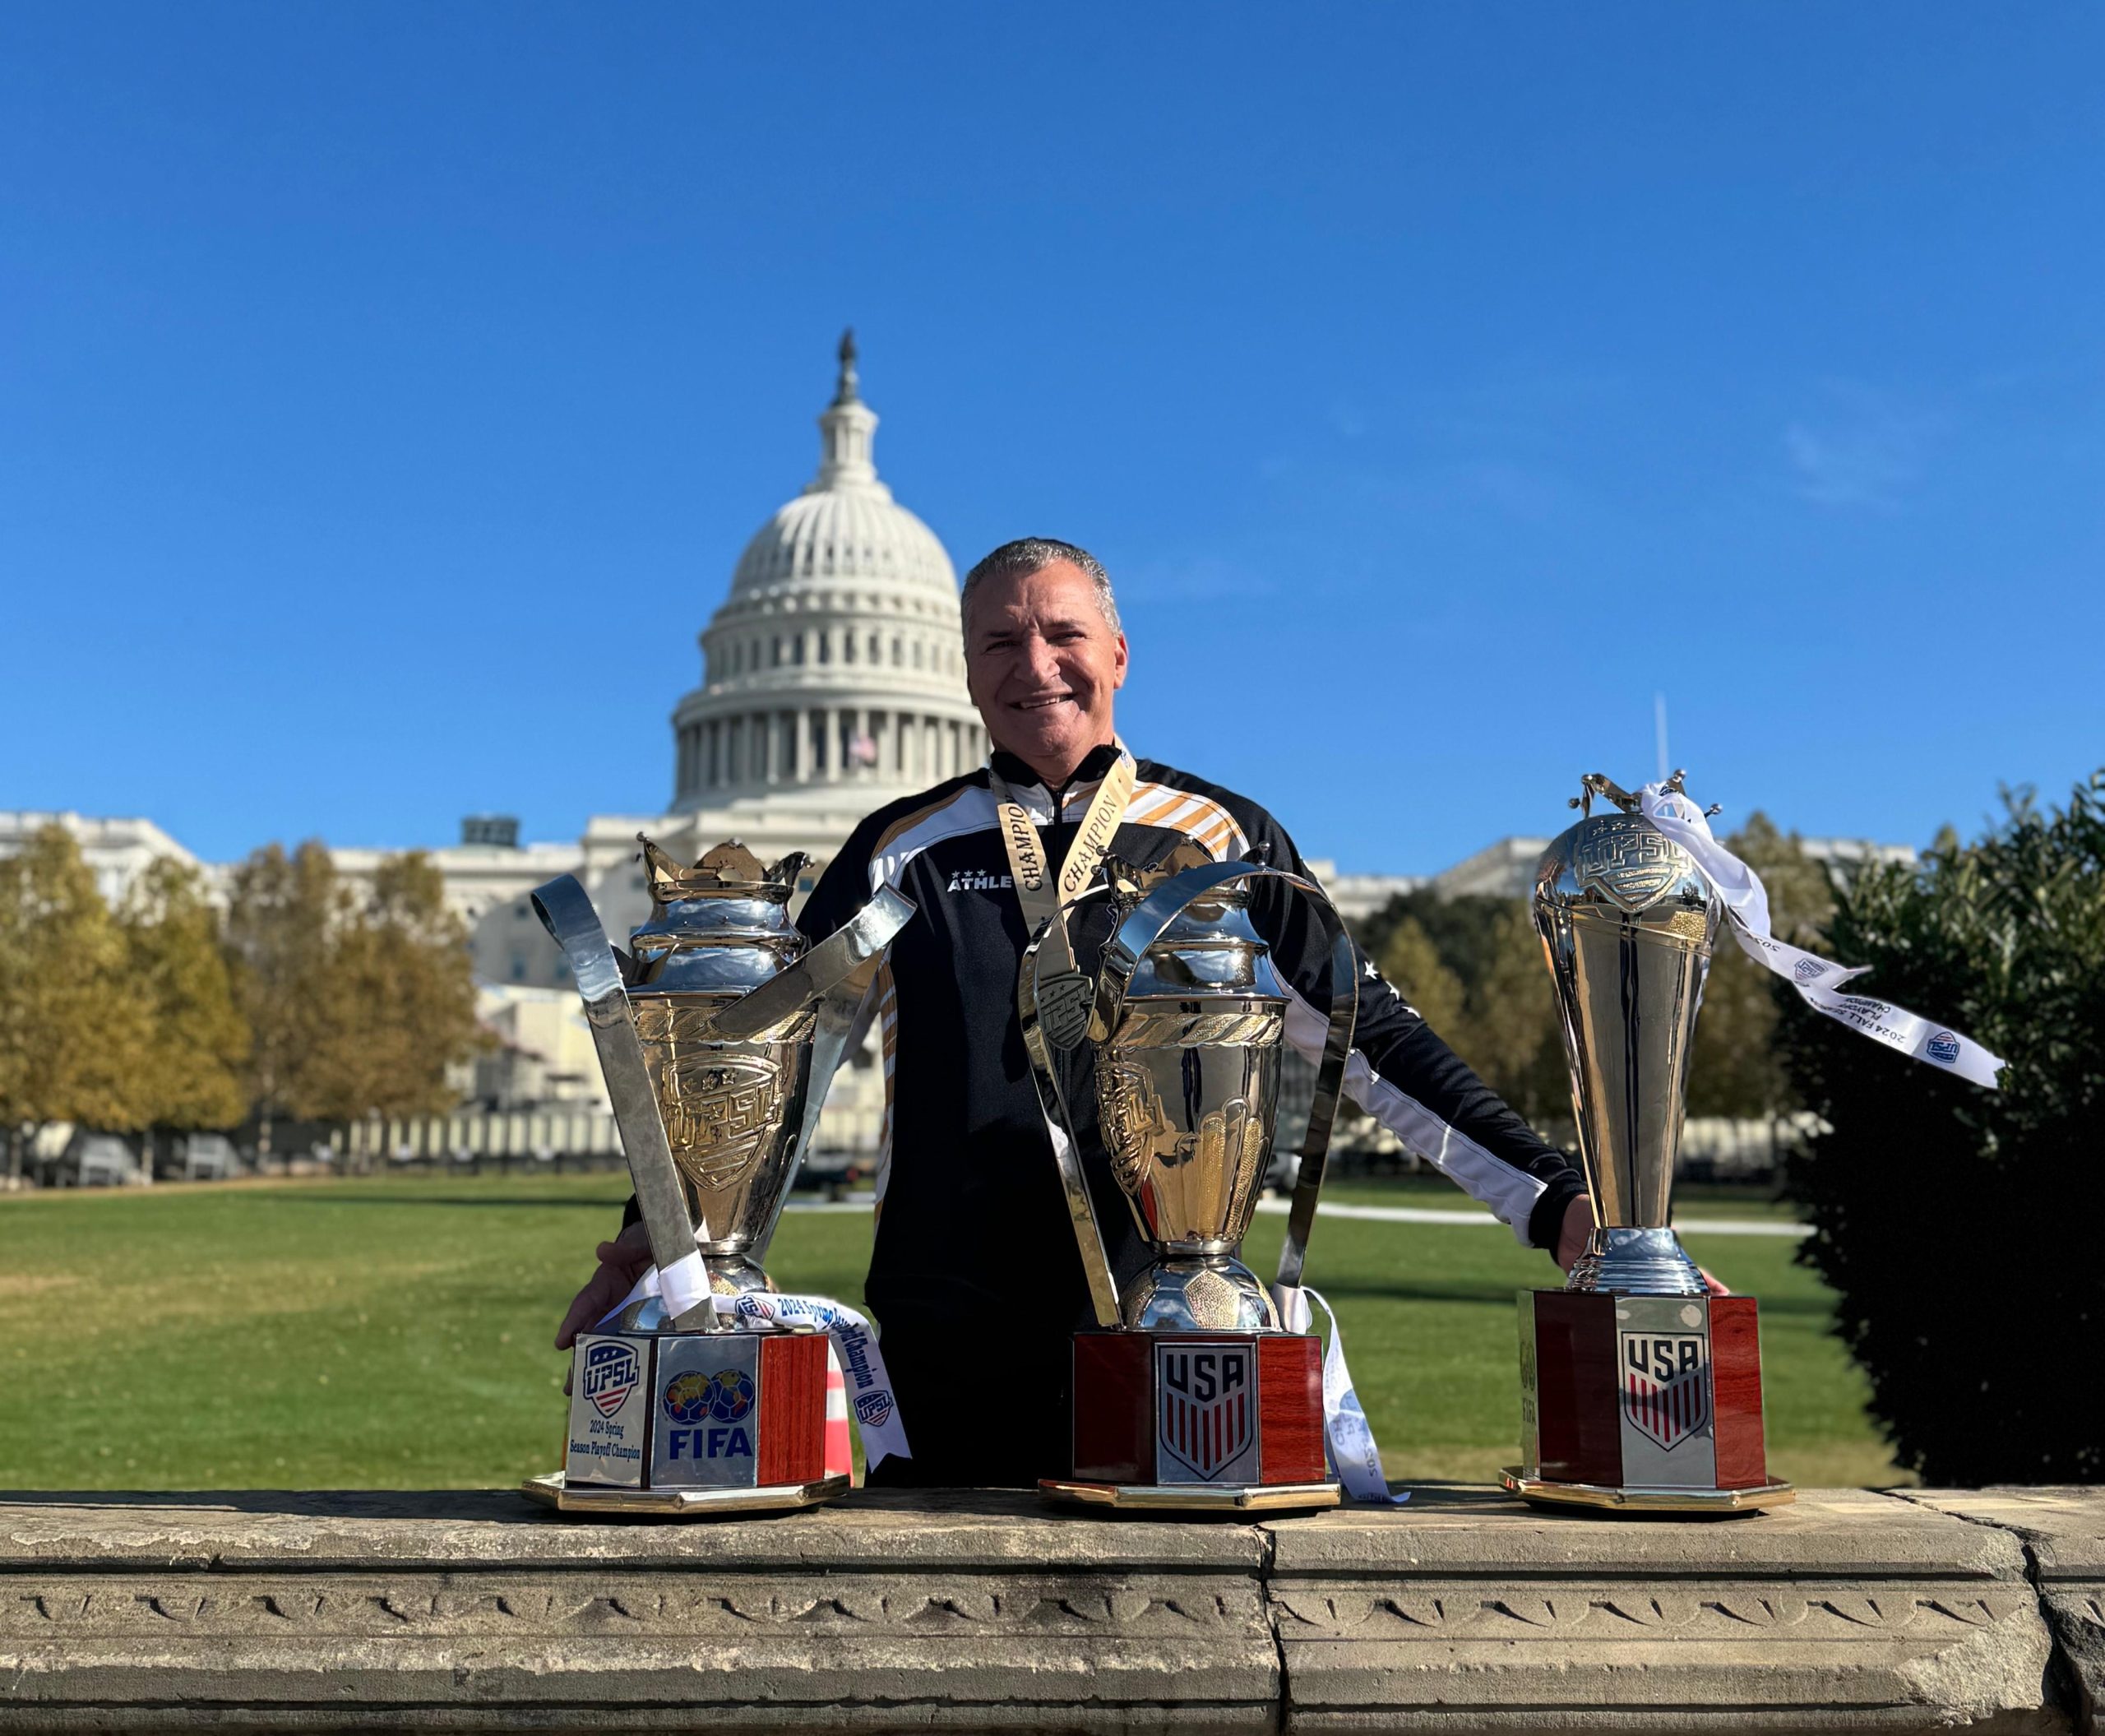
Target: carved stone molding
[1462,1612]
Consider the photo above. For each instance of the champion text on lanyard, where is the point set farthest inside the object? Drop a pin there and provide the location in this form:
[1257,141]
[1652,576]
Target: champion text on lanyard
[1064,992]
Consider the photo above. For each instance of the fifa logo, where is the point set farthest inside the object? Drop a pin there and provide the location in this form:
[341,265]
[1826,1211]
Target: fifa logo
[727,1397]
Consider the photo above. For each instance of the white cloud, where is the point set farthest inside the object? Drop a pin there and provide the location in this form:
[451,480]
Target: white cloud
[1868,454]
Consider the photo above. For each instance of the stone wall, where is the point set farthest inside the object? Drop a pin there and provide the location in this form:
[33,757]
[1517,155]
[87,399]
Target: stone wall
[968,1611]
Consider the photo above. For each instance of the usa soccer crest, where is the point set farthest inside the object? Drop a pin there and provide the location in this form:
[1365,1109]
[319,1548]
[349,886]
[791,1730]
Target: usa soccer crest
[1205,1413]
[611,1374]
[1666,1385]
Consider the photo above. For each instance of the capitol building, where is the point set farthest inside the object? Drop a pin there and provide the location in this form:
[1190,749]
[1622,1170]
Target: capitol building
[832,682]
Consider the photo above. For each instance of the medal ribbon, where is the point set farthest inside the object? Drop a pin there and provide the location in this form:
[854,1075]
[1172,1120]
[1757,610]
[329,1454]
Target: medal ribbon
[1042,895]
[1346,1431]
[1816,979]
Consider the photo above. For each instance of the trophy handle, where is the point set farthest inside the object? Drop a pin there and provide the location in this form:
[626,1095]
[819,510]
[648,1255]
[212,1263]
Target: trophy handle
[566,913]
[835,1015]
[1144,925]
[1059,1124]
[833,978]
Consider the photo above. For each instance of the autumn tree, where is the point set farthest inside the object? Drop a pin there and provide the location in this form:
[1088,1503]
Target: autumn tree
[73,1027]
[1738,1068]
[189,1072]
[282,915]
[360,997]
[404,998]
[1474,967]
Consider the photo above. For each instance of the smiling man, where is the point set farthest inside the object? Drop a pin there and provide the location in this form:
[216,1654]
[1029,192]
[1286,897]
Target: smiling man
[974,1278]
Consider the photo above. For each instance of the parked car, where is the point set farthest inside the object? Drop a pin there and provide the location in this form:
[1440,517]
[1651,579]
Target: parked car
[209,1157]
[100,1161]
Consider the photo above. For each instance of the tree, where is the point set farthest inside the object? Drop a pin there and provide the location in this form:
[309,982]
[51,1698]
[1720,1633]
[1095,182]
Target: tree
[1737,1069]
[1516,1045]
[405,1000]
[189,1075]
[1958,1226]
[1413,964]
[73,1027]
[1485,992]
[282,916]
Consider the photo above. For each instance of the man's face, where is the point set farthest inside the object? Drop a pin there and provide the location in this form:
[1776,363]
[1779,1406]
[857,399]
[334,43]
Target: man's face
[1042,664]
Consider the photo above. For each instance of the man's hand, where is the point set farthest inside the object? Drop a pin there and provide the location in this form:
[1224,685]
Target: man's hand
[621,1261]
[1578,1224]
[1571,1239]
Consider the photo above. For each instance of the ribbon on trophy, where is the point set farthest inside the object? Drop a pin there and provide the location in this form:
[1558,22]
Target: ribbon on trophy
[1065,993]
[1354,1457]
[1816,979]
[854,1345]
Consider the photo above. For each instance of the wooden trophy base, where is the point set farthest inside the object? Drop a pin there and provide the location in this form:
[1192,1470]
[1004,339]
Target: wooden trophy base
[691,1425]
[1642,1403]
[1198,1422]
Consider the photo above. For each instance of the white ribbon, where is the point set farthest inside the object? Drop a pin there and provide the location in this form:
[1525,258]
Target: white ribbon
[1346,1433]
[875,1409]
[1815,978]
[683,1284]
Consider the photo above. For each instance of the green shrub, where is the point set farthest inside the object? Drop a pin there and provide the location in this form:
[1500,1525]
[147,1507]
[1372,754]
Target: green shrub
[1960,1227]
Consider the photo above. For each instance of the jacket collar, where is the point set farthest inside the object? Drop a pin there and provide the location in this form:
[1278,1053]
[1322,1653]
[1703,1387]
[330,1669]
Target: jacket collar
[1020,777]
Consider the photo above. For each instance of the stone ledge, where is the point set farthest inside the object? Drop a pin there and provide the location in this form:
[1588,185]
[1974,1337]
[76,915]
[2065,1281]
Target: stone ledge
[1463,1611]
[2063,1533]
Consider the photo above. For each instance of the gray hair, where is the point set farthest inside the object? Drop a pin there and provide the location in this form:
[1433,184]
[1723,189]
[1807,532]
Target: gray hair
[1030,554]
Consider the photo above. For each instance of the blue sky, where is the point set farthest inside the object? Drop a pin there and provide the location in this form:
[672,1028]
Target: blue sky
[386,392]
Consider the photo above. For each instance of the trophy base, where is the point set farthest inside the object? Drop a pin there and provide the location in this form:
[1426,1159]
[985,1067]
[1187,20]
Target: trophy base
[1600,1497]
[1197,1420]
[1192,1498]
[678,1503]
[698,1419]
[1642,1402]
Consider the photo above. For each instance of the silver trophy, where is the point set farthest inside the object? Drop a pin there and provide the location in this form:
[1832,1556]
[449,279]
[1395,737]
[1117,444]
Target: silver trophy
[717,1033]
[1628,922]
[1641,1390]
[1188,1393]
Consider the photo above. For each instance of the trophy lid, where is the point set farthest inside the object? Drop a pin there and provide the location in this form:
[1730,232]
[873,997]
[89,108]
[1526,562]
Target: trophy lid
[1619,866]
[728,870]
[1209,948]
[721,925]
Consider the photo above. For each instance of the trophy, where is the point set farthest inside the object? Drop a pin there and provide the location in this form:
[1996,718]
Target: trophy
[1187,1394]
[717,1033]
[1639,1390]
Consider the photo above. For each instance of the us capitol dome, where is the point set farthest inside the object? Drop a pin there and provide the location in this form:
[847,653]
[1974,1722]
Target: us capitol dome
[833,676]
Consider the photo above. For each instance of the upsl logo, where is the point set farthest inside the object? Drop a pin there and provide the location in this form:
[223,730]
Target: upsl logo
[978,880]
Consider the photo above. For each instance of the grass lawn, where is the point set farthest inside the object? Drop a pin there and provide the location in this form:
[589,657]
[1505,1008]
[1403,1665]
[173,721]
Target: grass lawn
[394,1332]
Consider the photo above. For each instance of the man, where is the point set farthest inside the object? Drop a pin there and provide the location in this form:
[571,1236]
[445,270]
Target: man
[974,1278]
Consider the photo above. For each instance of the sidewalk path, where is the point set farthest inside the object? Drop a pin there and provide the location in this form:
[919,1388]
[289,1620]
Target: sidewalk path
[1419,1215]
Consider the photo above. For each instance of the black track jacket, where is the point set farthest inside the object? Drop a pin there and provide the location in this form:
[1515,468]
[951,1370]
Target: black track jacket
[974,1278]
